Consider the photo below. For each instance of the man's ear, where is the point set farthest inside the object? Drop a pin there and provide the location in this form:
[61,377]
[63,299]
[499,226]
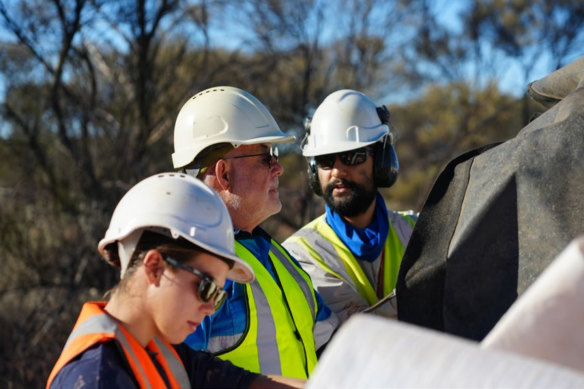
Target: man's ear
[222,174]
[153,266]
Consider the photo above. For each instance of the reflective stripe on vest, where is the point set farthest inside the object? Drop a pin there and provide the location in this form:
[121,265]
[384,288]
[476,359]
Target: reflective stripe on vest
[95,326]
[279,336]
[322,243]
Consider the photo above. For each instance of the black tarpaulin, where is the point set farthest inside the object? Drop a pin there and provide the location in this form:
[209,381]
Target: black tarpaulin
[497,216]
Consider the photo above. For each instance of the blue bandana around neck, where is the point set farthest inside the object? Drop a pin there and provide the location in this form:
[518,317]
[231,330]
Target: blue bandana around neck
[366,243]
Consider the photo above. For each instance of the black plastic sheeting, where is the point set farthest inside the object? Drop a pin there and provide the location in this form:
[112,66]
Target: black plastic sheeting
[497,216]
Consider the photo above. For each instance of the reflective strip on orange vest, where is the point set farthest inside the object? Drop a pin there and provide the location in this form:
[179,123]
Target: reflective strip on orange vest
[95,325]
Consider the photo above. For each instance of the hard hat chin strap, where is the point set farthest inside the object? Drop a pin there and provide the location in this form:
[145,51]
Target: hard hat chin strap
[126,249]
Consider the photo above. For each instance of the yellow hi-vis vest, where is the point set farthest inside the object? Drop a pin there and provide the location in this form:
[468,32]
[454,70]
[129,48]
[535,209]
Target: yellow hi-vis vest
[95,325]
[279,337]
[333,256]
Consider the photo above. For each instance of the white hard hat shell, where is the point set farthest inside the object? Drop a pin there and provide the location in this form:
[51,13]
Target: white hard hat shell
[185,207]
[345,120]
[222,114]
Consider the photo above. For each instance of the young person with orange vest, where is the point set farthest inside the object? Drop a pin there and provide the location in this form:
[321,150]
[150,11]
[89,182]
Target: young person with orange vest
[173,240]
[353,251]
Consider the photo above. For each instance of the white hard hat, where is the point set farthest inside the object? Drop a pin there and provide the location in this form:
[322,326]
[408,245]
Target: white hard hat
[222,114]
[184,207]
[345,120]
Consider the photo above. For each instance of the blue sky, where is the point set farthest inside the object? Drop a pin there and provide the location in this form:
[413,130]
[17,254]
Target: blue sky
[510,80]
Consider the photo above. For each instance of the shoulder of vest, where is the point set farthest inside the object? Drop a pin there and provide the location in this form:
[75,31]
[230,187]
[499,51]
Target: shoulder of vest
[314,222]
[409,216]
[315,225]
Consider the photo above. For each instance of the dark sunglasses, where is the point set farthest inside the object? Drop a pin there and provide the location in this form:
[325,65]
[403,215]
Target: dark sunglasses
[207,290]
[349,158]
[268,159]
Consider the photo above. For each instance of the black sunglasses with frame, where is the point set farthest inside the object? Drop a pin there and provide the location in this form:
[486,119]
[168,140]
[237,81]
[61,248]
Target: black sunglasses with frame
[349,158]
[208,290]
[268,157]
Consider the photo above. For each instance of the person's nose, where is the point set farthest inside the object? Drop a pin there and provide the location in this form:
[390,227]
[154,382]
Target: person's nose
[277,168]
[339,169]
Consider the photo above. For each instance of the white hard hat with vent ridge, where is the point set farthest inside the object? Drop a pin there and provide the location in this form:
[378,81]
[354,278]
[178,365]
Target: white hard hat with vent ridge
[345,120]
[222,114]
[181,206]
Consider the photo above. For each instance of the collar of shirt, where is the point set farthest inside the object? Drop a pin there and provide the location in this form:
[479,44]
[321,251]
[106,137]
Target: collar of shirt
[258,242]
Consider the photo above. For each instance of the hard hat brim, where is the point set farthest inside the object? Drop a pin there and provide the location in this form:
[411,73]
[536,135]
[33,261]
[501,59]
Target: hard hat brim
[337,147]
[240,272]
[185,156]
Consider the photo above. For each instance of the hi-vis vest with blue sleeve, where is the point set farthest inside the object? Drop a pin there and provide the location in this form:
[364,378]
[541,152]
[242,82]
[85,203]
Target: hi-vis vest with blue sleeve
[279,337]
[322,243]
[94,325]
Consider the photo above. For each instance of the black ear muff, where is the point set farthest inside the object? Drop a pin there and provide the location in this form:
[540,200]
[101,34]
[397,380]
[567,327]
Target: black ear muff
[385,163]
[312,169]
[313,180]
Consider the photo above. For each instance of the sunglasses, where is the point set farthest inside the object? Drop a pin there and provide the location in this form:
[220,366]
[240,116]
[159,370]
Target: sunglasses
[349,158]
[269,158]
[207,290]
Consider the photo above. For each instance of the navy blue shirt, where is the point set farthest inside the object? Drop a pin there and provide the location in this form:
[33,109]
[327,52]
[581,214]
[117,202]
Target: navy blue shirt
[104,366]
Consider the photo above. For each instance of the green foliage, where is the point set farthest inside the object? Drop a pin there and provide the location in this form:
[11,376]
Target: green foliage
[443,123]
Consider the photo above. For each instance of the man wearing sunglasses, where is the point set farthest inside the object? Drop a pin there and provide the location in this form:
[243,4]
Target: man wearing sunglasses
[354,250]
[274,325]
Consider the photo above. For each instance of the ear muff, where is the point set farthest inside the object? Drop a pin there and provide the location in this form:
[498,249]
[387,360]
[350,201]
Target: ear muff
[313,180]
[386,165]
[312,169]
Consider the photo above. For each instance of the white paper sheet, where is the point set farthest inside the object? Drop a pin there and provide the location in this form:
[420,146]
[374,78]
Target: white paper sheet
[372,352]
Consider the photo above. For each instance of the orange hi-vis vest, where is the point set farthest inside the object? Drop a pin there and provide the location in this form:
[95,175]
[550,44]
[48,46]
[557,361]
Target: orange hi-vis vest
[94,325]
